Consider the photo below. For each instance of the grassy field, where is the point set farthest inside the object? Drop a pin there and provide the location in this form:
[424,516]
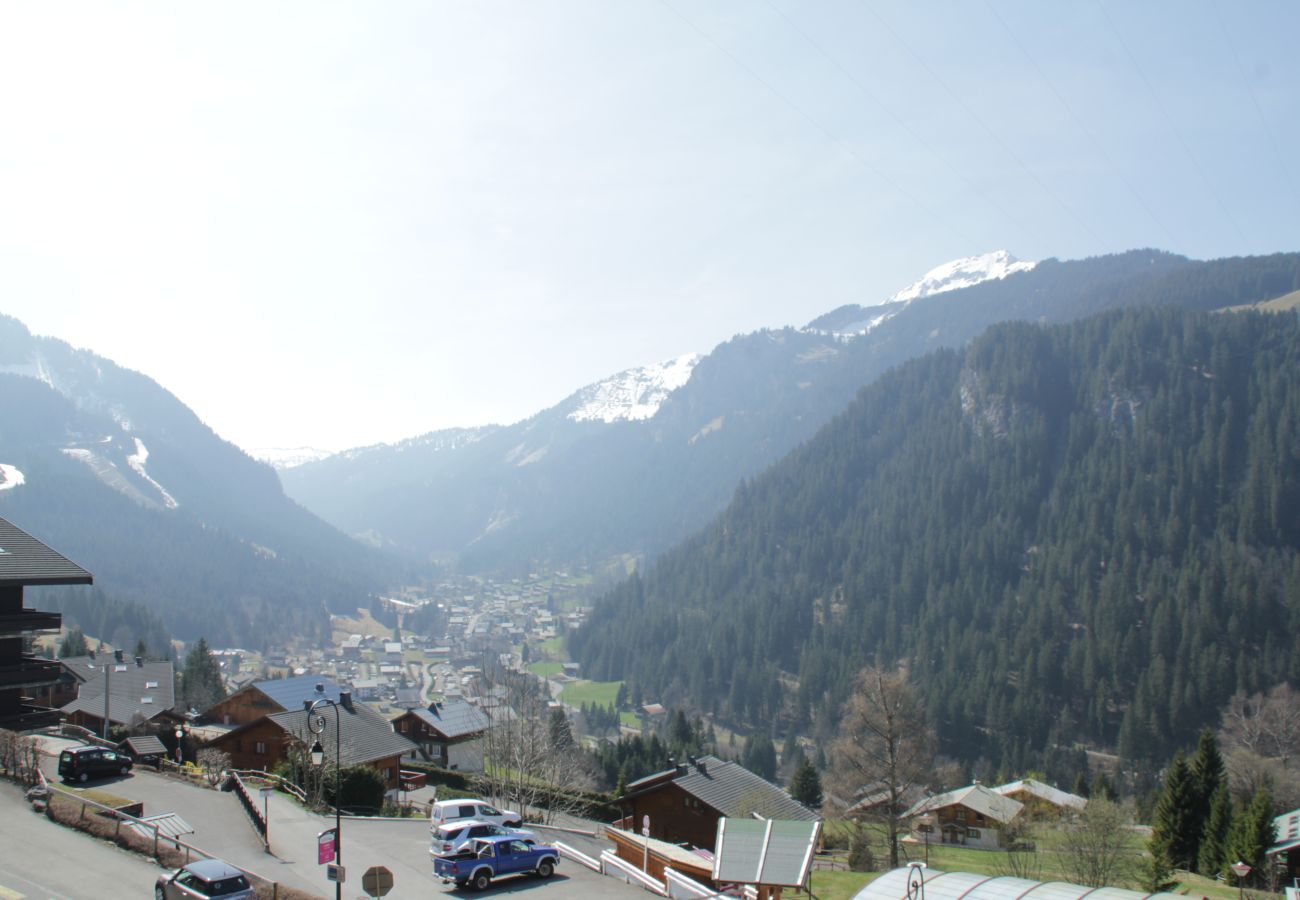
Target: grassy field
[546,669]
[829,885]
[601,693]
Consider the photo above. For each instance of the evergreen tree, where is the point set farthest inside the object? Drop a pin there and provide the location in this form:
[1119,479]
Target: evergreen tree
[1208,774]
[561,735]
[806,785]
[201,682]
[1174,827]
[1210,858]
[141,648]
[759,756]
[73,644]
[1252,832]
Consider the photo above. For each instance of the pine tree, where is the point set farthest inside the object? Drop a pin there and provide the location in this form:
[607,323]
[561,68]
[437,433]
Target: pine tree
[201,683]
[1210,858]
[1207,775]
[1174,823]
[806,784]
[73,644]
[1252,831]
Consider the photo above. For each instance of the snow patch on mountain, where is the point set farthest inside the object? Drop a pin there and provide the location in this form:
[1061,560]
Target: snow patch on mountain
[635,394]
[10,477]
[288,457]
[136,461]
[963,273]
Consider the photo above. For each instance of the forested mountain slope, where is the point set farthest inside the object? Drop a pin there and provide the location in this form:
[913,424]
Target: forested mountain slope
[119,475]
[554,490]
[1072,533]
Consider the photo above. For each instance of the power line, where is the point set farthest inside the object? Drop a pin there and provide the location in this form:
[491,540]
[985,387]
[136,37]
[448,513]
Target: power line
[899,121]
[810,119]
[989,131]
[1079,122]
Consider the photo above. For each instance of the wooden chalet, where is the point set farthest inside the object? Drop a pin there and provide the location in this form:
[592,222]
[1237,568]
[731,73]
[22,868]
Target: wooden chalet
[365,737]
[26,562]
[686,801]
[972,817]
[1041,800]
[263,698]
[448,734]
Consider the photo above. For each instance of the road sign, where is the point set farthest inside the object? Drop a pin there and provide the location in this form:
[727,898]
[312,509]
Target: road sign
[266,792]
[336,873]
[325,847]
[645,825]
[377,881]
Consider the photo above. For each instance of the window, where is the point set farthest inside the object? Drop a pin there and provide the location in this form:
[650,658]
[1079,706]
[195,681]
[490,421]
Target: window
[260,748]
[973,833]
[925,829]
[961,814]
[406,726]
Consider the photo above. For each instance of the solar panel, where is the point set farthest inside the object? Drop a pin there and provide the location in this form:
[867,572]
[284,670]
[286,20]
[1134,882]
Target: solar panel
[764,851]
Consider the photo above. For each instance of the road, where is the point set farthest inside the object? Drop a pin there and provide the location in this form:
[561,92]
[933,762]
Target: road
[222,828]
[45,860]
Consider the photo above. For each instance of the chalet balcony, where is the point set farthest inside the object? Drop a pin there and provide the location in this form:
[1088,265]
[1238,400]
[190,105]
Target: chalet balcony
[29,673]
[31,718]
[28,621]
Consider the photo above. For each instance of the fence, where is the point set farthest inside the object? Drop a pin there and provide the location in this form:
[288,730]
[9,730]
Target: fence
[246,800]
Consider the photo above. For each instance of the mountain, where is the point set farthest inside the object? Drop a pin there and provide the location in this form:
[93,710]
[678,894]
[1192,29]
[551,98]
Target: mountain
[633,465]
[1081,534]
[288,457]
[114,471]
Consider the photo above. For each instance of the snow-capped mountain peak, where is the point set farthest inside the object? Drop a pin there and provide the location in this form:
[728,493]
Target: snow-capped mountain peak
[634,394]
[288,457]
[963,273]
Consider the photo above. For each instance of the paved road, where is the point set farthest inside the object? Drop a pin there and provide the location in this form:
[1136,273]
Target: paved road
[44,860]
[221,827]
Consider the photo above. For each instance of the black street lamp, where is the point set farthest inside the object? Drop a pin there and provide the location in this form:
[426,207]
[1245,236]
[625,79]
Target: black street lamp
[316,724]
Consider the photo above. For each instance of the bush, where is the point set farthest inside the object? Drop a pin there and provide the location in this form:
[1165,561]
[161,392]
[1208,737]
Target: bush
[860,856]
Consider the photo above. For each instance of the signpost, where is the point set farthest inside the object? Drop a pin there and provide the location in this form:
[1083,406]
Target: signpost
[266,819]
[325,847]
[645,833]
[377,881]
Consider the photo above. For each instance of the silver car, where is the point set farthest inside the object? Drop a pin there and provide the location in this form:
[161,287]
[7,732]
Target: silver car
[201,879]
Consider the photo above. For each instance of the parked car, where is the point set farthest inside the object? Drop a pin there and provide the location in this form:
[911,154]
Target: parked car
[204,878]
[83,763]
[444,811]
[488,858]
[452,838]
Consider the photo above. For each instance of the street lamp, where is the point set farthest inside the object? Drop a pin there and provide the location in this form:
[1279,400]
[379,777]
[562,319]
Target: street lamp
[916,881]
[180,735]
[316,724]
[1242,870]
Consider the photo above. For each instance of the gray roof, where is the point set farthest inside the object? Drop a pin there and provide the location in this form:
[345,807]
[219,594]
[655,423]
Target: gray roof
[290,692]
[25,560]
[146,690]
[729,788]
[144,745]
[364,735]
[1054,796]
[974,797]
[454,718]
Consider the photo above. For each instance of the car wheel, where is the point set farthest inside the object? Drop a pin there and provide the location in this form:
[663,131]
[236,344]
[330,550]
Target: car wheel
[159,893]
[481,881]
[84,776]
[126,770]
[545,868]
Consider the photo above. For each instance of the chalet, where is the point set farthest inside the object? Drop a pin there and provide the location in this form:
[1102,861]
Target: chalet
[972,816]
[1041,800]
[448,734]
[685,802]
[365,737]
[25,561]
[133,694]
[1284,852]
[262,698]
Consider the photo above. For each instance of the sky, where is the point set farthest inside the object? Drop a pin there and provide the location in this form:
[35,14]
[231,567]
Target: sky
[331,225]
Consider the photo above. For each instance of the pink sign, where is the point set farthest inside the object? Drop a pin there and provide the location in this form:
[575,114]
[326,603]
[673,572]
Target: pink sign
[325,847]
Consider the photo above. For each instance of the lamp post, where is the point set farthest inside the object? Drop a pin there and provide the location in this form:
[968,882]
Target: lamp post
[180,735]
[916,881]
[1242,870]
[316,724]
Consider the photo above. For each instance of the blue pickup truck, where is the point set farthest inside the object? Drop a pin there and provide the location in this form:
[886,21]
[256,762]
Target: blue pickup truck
[491,857]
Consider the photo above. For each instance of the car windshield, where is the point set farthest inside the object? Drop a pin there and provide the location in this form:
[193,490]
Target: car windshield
[226,886]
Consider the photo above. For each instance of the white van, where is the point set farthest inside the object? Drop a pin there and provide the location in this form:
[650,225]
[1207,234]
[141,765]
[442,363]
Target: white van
[444,811]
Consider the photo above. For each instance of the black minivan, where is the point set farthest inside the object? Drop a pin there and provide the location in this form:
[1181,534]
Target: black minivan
[82,763]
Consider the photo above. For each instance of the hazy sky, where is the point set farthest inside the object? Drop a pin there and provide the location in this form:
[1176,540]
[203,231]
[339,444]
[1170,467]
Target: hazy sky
[335,224]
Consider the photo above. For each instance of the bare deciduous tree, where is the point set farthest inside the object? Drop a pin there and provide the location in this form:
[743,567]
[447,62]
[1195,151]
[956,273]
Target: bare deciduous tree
[1094,846]
[1267,725]
[885,741]
[213,762]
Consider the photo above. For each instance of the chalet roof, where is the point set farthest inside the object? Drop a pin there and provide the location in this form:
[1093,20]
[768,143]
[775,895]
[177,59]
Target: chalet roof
[364,735]
[144,745]
[974,797]
[1286,832]
[145,690]
[289,693]
[454,718]
[727,787]
[1054,796]
[25,560]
